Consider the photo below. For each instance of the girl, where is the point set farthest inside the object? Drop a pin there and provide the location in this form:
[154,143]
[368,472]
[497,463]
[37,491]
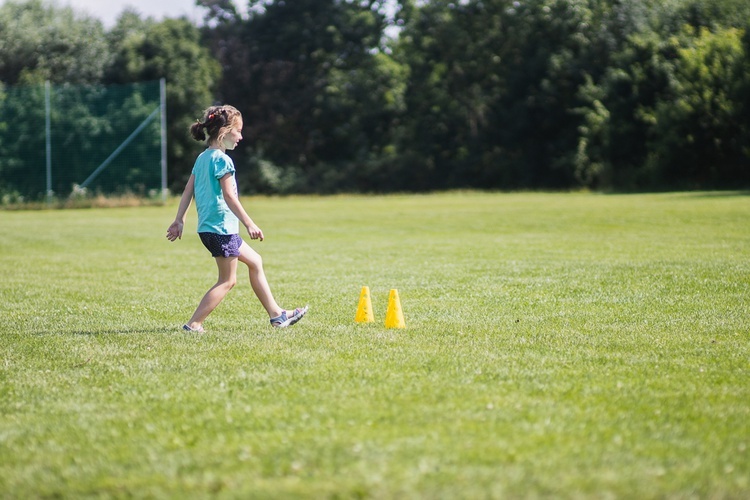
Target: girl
[219,214]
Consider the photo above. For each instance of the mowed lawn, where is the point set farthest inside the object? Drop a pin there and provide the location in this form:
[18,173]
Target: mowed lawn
[556,346]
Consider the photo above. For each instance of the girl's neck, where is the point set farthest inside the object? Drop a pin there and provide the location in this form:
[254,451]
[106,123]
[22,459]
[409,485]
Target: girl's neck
[216,145]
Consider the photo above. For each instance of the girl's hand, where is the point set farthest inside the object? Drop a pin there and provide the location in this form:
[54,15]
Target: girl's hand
[254,232]
[175,231]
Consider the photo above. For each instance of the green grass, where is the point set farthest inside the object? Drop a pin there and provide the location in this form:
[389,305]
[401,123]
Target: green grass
[557,346]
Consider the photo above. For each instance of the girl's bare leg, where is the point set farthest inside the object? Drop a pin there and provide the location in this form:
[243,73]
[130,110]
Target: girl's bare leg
[227,279]
[258,280]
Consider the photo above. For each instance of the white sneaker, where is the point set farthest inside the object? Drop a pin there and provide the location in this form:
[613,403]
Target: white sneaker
[288,320]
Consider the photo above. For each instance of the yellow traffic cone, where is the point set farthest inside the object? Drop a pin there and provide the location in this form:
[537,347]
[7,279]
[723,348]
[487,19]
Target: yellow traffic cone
[394,316]
[364,310]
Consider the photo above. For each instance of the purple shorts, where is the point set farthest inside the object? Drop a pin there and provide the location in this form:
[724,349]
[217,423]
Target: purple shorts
[222,245]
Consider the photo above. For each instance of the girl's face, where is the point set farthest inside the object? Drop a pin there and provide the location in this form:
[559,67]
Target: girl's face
[233,137]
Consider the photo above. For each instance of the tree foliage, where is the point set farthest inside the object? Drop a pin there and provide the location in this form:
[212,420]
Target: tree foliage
[318,94]
[365,95]
[41,42]
[172,49]
[670,109]
[495,81]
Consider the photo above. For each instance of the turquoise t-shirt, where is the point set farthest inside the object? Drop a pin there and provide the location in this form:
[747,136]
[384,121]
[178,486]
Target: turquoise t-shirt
[214,215]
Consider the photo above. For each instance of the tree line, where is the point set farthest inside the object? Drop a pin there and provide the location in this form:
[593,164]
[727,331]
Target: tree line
[378,96]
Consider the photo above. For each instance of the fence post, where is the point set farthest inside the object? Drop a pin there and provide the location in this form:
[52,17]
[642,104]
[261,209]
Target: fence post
[163,101]
[48,138]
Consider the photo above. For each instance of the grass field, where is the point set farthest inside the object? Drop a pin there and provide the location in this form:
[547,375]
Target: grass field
[557,346]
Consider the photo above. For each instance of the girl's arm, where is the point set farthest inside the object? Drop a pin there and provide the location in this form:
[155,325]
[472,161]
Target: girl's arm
[229,188]
[175,230]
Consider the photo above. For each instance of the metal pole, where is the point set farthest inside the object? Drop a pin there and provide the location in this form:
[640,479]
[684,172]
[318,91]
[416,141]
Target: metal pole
[48,138]
[163,98]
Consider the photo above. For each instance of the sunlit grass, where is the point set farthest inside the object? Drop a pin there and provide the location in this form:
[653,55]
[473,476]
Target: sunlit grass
[557,345]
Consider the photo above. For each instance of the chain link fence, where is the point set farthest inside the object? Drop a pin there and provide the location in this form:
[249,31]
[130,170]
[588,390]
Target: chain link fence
[63,140]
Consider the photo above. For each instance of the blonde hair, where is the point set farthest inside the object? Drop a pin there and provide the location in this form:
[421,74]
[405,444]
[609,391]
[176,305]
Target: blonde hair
[216,123]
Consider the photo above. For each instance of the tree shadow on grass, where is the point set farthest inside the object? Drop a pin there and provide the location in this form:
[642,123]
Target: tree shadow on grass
[716,194]
[112,331]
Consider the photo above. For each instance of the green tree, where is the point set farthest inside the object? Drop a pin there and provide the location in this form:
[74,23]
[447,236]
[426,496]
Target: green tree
[670,109]
[618,114]
[172,49]
[496,81]
[701,136]
[318,91]
[22,141]
[41,41]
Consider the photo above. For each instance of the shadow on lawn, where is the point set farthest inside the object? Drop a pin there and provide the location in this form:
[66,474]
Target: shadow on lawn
[687,193]
[715,194]
[118,331]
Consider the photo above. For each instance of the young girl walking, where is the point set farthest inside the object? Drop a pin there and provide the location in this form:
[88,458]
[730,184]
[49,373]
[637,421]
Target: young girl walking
[220,212]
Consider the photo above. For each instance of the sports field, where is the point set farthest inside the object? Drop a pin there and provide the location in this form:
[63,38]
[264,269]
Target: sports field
[556,346]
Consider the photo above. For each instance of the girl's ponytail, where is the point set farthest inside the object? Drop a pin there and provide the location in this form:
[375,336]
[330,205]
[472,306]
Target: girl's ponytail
[215,123]
[197,131]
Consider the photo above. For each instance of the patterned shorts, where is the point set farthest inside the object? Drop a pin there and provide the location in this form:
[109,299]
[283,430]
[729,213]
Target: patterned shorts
[222,245]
